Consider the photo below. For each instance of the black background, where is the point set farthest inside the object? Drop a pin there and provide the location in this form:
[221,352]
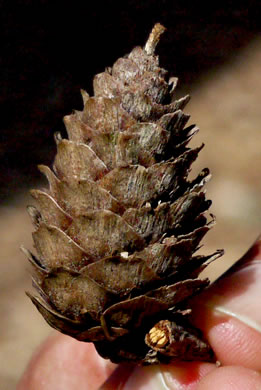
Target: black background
[51,49]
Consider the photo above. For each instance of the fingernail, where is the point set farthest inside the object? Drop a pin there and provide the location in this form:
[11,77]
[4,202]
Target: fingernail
[237,293]
[146,378]
[175,376]
[118,378]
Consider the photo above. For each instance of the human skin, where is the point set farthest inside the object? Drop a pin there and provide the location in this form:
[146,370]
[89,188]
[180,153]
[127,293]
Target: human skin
[229,313]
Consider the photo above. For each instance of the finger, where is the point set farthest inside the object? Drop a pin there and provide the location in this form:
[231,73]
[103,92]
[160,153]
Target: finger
[231,378]
[182,376]
[229,313]
[63,363]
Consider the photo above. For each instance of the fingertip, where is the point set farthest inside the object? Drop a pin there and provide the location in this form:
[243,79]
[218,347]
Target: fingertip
[231,378]
[233,342]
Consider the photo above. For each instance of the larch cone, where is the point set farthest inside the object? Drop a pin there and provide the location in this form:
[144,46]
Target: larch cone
[117,230]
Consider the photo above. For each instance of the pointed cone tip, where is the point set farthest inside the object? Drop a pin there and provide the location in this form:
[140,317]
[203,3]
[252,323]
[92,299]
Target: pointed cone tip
[154,38]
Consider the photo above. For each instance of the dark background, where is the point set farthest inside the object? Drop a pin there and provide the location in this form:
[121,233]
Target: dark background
[51,49]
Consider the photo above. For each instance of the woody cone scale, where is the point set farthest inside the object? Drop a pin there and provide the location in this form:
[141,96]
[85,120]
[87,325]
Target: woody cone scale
[117,230]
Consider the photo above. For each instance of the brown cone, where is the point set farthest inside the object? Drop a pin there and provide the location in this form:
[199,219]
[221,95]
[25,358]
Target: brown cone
[117,230]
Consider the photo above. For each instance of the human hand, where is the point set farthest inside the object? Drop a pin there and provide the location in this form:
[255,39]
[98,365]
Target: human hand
[229,313]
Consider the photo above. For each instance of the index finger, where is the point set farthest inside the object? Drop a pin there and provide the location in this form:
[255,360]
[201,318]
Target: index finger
[229,312]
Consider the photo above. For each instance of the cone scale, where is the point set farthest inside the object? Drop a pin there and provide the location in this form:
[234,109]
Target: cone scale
[117,230]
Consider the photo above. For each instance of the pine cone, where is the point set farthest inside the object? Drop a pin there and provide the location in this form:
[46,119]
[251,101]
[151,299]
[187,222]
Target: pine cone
[119,225]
